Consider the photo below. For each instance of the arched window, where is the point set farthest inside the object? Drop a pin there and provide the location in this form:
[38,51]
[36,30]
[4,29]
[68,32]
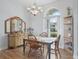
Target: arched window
[53,22]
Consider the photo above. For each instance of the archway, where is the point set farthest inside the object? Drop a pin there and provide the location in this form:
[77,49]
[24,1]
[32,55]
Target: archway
[53,22]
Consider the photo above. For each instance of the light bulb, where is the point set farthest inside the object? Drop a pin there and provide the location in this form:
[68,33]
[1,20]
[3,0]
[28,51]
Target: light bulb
[39,8]
[28,8]
[33,6]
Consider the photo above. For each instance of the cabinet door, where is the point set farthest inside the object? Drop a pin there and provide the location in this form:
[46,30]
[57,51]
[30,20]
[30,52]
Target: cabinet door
[12,42]
[7,26]
[16,25]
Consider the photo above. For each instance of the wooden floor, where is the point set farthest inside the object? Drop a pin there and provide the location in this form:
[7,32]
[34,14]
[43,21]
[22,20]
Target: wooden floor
[18,54]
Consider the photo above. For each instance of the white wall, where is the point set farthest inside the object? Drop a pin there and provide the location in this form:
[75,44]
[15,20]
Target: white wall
[9,8]
[36,23]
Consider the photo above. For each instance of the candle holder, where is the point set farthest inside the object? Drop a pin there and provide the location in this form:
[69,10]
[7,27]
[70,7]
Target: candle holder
[30,30]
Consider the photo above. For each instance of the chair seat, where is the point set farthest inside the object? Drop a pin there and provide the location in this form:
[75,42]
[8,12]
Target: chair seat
[35,46]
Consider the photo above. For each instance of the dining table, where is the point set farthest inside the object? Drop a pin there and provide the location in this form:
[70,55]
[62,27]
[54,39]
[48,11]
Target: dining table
[42,40]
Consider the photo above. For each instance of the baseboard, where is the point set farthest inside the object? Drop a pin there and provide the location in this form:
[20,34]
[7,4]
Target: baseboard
[3,48]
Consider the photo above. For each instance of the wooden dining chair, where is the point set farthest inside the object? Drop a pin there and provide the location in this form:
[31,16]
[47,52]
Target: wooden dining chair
[43,34]
[56,48]
[34,44]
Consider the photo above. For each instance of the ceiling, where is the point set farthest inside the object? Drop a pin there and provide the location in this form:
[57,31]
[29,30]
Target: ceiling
[39,2]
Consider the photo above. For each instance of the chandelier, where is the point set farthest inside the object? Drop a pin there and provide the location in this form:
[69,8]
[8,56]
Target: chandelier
[34,9]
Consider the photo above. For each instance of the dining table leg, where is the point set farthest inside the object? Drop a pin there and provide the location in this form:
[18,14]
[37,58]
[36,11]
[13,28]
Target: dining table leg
[49,48]
[24,46]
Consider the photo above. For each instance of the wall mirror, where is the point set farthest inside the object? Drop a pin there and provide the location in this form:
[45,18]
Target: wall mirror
[53,22]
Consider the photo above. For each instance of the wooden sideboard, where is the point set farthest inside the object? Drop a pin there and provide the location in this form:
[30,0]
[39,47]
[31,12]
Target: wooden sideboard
[15,39]
[15,27]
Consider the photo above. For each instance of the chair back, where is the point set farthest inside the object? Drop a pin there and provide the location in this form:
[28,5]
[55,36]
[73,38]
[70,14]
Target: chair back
[58,40]
[34,44]
[44,34]
[32,37]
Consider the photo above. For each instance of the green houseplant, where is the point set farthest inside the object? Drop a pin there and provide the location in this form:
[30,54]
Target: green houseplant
[53,32]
